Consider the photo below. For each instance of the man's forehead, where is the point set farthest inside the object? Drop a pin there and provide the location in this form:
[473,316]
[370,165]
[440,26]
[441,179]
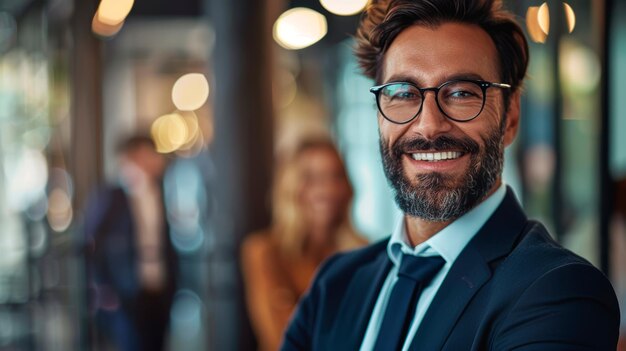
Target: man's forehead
[427,53]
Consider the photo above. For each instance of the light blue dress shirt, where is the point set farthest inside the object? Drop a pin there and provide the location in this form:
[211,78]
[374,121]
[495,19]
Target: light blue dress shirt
[448,243]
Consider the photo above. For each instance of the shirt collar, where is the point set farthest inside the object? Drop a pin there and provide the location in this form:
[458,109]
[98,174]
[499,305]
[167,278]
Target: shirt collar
[451,240]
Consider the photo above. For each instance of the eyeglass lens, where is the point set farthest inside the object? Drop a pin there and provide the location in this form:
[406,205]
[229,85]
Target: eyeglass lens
[460,100]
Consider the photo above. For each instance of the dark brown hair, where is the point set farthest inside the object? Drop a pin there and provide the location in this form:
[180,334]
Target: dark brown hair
[134,143]
[383,20]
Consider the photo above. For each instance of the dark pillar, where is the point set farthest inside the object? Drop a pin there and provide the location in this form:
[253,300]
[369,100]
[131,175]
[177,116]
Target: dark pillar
[85,155]
[86,103]
[554,39]
[242,154]
[607,200]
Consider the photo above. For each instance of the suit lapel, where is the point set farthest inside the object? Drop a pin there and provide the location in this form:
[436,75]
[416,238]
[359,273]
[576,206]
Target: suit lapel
[469,273]
[465,278]
[356,307]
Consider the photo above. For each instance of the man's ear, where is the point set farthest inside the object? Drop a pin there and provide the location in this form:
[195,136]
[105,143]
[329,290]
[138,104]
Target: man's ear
[512,118]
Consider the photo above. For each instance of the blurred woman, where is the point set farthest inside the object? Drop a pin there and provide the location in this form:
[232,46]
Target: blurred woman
[311,204]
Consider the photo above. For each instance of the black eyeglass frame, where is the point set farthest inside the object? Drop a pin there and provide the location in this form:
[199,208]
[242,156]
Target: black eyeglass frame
[482,84]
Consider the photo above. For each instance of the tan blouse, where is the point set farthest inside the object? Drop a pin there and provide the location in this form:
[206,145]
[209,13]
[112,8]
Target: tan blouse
[274,284]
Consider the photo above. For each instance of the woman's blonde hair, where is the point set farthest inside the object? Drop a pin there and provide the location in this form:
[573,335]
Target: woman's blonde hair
[289,225]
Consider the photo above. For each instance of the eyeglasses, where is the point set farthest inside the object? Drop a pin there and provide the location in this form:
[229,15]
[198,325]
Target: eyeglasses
[461,100]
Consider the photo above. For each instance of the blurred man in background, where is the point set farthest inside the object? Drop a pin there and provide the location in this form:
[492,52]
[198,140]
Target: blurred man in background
[132,262]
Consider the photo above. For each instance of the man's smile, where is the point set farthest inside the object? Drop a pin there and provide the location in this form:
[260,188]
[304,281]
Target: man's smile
[436,156]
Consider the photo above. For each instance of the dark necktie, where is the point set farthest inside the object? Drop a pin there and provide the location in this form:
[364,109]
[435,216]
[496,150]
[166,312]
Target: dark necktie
[414,273]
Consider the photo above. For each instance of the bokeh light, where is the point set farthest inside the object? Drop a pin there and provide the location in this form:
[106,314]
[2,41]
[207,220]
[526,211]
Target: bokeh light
[538,21]
[169,132]
[187,314]
[27,179]
[104,30]
[190,92]
[543,18]
[114,12]
[344,7]
[299,27]
[570,17]
[60,211]
[580,67]
[181,132]
[195,137]
[535,32]
[185,202]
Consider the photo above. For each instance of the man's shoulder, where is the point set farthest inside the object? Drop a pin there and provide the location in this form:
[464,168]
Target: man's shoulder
[346,263]
[539,260]
[538,250]
[544,291]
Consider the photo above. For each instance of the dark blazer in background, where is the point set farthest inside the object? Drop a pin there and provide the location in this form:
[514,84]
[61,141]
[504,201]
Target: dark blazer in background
[511,288]
[136,319]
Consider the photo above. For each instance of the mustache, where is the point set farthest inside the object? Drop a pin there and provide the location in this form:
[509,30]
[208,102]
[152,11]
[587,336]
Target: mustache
[441,143]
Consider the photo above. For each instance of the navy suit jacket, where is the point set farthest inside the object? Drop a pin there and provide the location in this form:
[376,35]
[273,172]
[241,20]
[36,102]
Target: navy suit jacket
[112,249]
[512,288]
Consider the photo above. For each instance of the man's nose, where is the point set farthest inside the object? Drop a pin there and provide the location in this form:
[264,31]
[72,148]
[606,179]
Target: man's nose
[431,121]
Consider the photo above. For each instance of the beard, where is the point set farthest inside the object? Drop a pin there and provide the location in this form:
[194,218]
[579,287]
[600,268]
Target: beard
[439,197]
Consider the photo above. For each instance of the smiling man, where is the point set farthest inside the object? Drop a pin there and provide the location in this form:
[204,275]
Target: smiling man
[464,269]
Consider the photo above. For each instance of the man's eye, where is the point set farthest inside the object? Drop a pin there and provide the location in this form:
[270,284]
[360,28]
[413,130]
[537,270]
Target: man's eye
[404,95]
[400,92]
[462,94]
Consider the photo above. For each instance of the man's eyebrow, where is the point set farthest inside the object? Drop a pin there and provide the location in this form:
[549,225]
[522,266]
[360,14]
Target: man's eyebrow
[467,75]
[402,78]
[419,82]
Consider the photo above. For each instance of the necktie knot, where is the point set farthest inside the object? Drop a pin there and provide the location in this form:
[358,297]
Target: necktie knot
[420,269]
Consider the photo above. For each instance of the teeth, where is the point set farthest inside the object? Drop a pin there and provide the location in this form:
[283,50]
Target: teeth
[436,156]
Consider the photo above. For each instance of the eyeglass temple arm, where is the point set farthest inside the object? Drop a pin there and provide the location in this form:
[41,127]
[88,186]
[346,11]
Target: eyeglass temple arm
[501,85]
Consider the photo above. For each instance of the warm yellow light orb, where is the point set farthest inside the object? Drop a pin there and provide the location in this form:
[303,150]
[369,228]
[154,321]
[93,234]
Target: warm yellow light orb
[104,30]
[60,212]
[113,12]
[570,17]
[299,27]
[169,132]
[532,25]
[344,7]
[190,92]
[543,18]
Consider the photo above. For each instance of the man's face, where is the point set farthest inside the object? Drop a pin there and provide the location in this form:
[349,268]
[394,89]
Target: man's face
[441,190]
[149,160]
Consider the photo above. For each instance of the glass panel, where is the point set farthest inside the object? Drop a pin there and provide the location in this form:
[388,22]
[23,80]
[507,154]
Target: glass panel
[579,80]
[37,267]
[357,133]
